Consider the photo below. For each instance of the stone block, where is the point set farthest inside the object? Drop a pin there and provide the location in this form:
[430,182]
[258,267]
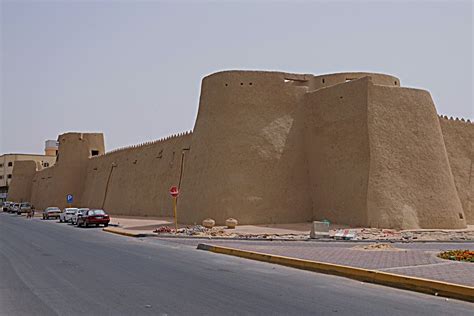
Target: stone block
[319,230]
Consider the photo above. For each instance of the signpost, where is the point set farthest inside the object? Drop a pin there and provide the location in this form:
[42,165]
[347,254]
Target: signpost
[174,192]
[69,199]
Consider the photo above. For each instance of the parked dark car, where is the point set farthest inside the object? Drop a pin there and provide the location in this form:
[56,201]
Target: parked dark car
[93,217]
[51,212]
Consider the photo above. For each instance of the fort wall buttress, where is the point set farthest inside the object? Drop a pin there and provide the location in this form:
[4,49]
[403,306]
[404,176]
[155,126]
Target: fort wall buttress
[43,189]
[136,180]
[20,187]
[459,141]
[245,160]
[410,180]
[337,149]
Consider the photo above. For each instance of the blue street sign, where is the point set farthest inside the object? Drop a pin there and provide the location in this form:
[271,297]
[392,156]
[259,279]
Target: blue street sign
[69,198]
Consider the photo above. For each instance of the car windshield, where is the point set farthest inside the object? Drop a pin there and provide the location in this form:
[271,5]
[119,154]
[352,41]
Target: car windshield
[52,209]
[99,212]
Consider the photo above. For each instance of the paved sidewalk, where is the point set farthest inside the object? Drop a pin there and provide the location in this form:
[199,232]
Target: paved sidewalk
[411,259]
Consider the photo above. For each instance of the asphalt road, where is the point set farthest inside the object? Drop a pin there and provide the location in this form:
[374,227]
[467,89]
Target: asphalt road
[47,268]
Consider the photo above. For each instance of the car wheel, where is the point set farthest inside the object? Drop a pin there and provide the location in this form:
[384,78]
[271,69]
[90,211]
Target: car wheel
[105,225]
[86,224]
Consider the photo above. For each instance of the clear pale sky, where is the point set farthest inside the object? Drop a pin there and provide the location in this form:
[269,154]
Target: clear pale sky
[132,69]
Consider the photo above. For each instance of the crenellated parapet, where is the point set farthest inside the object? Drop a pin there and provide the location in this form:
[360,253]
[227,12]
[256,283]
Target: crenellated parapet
[455,119]
[145,144]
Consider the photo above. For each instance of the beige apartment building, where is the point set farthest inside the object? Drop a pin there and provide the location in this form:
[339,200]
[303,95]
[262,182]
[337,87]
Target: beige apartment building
[7,162]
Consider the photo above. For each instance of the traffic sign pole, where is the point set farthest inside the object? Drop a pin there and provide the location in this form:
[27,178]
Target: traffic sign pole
[174,192]
[175,214]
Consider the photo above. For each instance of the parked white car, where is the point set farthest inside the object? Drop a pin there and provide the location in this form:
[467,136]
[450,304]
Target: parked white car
[14,207]
[78,213]
[67,214]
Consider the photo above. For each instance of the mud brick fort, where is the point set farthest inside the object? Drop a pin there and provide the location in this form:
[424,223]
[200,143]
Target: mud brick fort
[274,147]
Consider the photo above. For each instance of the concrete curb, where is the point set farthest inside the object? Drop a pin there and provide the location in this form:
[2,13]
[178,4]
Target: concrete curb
[445,289]
[123,233]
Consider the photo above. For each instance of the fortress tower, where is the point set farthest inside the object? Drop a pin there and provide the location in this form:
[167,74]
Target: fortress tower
[246,156]
[51,185]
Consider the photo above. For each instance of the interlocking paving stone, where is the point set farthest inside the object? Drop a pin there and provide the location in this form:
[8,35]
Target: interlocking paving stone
[411,259]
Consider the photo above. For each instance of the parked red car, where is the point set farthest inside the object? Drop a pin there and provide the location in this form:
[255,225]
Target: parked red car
[93,217]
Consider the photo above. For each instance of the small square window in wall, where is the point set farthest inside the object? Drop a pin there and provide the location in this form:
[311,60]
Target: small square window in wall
[1,165]
[9,176]
[1,177]
[94,152]
[10,164]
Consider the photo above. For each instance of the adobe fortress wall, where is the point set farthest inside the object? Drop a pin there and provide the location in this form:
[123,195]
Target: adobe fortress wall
[274,147]
[128,181]
[459,140]
[135,180]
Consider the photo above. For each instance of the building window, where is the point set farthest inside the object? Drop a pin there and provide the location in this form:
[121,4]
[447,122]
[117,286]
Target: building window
[1,177]
[94,152]
[10,164]
[1,165]
[46,164]
[9,176]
